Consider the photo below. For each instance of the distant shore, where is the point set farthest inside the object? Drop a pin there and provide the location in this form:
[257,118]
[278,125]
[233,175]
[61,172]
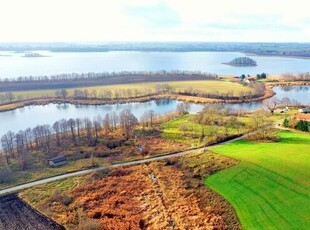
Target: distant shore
[276,55]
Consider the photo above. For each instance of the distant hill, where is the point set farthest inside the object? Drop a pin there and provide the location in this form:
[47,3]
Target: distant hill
[242,61]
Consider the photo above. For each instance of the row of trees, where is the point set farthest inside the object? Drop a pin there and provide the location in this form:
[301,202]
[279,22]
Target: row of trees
[296,77]
[75,131]
[7,97]
[109,94]
[258,91]
[103,75]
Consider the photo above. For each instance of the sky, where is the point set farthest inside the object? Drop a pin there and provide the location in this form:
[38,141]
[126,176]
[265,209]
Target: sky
[154,20]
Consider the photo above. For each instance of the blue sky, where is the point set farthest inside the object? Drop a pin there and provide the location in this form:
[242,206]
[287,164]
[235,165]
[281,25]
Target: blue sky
[154,20]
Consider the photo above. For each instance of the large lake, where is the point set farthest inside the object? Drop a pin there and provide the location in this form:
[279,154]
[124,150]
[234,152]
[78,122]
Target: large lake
[16,65]
[30,116]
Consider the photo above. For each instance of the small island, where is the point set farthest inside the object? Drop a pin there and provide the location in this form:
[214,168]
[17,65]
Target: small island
[242,61]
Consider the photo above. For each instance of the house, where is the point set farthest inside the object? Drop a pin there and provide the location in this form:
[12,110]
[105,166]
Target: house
[303,117]
[304,110]
[57,161]
[236,79]
[250,80]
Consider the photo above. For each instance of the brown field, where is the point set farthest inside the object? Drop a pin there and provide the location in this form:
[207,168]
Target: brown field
[16,214]
[160,195]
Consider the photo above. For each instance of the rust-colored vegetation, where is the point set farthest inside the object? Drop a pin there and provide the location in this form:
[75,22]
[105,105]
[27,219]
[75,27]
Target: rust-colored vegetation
[161,195]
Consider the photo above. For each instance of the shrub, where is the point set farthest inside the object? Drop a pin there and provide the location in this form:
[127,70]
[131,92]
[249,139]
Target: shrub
[89,224]
[303,126]
[100,173]
[286,122]
[6,175]
[60,197]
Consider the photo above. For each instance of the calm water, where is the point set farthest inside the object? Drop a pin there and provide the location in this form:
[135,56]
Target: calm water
[31,116]
[16,65]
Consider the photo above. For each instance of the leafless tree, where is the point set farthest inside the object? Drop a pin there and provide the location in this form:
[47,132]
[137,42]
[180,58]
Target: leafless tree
[127,122]
[271,104]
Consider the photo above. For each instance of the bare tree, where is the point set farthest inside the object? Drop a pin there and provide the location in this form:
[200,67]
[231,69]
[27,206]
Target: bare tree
[183,108]
[107,123]
[72,124]
[127,121]
[56,129]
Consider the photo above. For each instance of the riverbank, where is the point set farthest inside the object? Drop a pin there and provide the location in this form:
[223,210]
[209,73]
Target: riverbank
[169,96]
[44,101]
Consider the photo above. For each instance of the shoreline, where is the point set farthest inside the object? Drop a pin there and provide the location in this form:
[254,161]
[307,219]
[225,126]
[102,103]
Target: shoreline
[276,55]
[185,98]
[191,99]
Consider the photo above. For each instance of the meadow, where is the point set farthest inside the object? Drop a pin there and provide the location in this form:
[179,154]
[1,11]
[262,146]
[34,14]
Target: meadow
[269,188]
[185,129]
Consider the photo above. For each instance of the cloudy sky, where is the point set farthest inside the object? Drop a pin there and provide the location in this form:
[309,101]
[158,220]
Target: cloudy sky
[154,20]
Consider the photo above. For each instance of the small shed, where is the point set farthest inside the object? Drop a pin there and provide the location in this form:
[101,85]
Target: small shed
[57,161]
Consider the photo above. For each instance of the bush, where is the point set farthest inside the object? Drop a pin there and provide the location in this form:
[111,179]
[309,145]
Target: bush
[286,122]
[114,144]
[303,126]
[60,197]
[89,224]
[100,173]
[6,175]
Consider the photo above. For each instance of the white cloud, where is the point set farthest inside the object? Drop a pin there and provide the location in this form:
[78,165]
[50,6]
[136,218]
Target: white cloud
[203,20]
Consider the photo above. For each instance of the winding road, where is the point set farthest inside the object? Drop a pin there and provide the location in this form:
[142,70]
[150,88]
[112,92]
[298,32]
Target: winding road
[134,162]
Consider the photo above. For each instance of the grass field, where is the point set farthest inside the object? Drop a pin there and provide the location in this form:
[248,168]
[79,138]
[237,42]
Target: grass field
[171,130]
[207,85]
[270,187]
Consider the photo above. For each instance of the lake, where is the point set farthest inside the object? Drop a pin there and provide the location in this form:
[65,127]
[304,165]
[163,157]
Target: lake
[16,65]
[30,116]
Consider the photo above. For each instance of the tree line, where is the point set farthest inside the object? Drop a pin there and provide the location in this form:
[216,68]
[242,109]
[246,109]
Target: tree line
[76,131]
[76,80]
[103,75]
[296,77]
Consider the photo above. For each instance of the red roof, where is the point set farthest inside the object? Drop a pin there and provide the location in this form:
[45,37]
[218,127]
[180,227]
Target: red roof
[303,116]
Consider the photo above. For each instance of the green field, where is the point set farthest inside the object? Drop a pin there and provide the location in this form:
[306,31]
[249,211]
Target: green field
[270,187]
[172,130]
[209,86]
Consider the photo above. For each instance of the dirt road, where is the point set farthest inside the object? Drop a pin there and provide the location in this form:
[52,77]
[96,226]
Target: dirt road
[82,172]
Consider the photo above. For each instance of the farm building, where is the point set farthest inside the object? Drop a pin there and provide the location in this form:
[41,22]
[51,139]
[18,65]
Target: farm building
[304,110]
[57,161]
[236,79]
[250,80]
[303,117]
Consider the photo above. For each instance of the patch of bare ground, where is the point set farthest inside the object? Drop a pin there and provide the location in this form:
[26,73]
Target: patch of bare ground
[160,195]
[16,214]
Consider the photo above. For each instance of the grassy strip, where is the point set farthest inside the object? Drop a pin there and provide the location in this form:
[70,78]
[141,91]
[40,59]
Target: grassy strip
[206,85]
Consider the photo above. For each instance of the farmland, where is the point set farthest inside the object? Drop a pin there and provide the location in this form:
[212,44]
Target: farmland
[187,130]
[209,86]
[16,214]
[269,188]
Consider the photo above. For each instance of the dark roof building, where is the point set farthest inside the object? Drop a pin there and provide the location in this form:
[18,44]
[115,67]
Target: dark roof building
[304,110]
[57,161]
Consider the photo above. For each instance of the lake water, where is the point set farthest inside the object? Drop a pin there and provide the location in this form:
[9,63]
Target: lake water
[30,116]
[16,65]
